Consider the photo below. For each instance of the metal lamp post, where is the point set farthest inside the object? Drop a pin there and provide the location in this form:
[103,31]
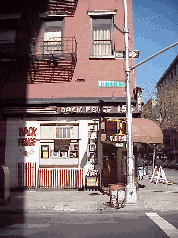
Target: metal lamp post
[131,195]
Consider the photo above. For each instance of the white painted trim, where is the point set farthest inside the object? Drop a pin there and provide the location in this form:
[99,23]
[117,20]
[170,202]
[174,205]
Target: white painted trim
[101,12]
[102,57]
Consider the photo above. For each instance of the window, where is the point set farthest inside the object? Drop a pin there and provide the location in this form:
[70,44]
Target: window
[102,44]
[7,42]
[63,132]
[8,26]
[171,75]
[52,37]
[174,70]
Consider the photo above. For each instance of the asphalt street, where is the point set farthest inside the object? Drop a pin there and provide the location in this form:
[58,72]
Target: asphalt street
[45,213]
[136,224]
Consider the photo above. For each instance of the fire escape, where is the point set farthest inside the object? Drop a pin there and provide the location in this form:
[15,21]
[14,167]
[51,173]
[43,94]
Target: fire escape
[65,6]
[54,60]
[51,60]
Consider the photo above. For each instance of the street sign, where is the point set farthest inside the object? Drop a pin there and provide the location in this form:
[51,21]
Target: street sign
[111,84]
[132,54]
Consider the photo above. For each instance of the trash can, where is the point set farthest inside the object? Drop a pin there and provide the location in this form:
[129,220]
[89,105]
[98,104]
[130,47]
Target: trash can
[117,195]
[4,185]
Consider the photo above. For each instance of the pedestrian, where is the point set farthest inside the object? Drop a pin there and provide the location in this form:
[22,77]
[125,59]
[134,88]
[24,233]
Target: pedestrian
[140,168]
[158,162]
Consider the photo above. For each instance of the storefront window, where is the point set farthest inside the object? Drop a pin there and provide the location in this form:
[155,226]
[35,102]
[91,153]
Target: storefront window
[59,144]
[63,132]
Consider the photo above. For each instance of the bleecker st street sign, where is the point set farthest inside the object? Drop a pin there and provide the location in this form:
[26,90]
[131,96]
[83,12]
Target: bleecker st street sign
[111,84]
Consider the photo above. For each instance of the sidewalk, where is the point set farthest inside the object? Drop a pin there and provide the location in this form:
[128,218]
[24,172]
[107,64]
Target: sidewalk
[154,197]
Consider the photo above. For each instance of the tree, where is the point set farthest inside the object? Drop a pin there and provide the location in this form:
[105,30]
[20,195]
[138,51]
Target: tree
[168,106]
[164,111]
[163,107]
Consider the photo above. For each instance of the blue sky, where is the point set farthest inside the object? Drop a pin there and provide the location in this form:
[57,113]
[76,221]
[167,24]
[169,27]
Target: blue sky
[148,44]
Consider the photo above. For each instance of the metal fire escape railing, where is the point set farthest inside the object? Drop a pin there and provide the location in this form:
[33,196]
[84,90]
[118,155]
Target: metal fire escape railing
[51,61]
[62,6]
[56,47]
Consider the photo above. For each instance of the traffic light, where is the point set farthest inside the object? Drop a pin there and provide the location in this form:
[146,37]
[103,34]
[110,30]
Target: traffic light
[122,127]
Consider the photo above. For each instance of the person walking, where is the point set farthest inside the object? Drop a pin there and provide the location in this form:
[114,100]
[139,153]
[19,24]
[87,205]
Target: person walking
[140,168]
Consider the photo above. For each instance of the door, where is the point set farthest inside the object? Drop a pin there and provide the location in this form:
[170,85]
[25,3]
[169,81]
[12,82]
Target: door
[109,171]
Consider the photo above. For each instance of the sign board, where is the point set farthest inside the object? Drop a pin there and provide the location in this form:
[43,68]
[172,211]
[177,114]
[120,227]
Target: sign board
[94,109]
[111,84]
[119,145]
[92,181]
[111,127]
[132,54]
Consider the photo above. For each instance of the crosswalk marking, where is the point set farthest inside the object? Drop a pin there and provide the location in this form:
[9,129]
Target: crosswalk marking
[168,228]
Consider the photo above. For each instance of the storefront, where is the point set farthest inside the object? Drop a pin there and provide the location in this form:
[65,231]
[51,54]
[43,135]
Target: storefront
[54,144]
[57,150]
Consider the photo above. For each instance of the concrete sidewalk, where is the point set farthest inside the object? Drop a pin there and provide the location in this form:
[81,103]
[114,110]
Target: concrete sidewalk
[154,197]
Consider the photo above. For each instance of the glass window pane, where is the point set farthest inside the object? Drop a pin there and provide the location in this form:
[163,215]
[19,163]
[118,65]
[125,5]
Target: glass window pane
[63,132]
[102,36]
[101,24]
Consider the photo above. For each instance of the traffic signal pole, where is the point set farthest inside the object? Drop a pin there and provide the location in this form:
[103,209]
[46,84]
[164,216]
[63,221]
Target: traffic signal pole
[131,194]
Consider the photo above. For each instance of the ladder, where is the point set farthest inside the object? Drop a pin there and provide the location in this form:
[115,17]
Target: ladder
[158,175]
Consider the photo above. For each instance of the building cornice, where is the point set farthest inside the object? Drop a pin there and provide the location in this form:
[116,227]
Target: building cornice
[66,101]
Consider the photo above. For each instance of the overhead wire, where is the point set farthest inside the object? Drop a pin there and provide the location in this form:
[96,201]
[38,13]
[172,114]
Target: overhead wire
[148,18]
[155,30]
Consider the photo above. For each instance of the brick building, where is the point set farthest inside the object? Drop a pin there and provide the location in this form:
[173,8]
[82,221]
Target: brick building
[167,87]
[63,91]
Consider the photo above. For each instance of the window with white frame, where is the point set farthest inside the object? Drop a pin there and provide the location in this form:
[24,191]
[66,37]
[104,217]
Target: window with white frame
[52,37]
[102,43]
[63,132]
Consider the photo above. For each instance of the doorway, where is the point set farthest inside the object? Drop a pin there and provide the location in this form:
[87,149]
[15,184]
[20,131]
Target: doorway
[109,171]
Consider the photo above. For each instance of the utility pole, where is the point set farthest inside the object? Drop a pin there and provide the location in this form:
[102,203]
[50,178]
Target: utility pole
[131,194]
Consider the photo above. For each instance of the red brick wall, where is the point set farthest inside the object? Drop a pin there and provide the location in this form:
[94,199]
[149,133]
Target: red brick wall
[90,70]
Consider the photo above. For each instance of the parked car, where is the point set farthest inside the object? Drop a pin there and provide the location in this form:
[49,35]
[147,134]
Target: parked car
[146,162]
[166,163]
[172,164]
